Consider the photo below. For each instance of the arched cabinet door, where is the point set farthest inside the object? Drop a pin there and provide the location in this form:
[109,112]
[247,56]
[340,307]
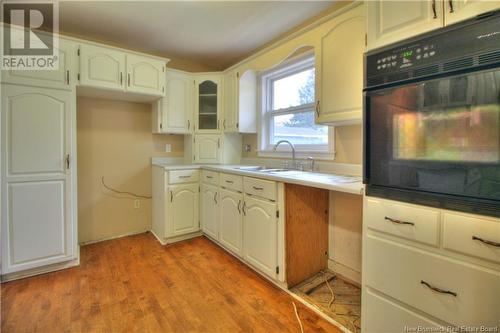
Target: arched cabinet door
[260,234]
[230,228]
[208,104]
[182,209]
[101,67]
[209,210]
[207,148]
[145,75]
[38,216]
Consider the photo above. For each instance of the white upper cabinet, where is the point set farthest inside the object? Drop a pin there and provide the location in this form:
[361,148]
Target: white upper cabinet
[207,148]
[240,102]
[61,78]
[210,210]
[173,114]
[459,10]
[340,70]
[145,75]
[392,21]
[102,67]
[208,103]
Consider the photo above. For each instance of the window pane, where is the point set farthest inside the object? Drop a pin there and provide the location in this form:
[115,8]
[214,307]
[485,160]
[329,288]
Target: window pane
[299,128]
[294,90]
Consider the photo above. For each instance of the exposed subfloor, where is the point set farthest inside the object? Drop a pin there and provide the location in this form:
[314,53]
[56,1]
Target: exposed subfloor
[133,284]
[344,308]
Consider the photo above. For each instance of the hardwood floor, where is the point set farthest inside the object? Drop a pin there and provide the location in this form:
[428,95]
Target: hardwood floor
[134,284]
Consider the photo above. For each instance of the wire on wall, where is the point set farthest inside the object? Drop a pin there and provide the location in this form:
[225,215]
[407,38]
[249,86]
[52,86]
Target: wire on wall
[123,192]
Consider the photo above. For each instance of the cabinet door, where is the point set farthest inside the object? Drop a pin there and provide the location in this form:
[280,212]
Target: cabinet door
[341,71]
[392,21]
[459,10]
[230,233]
[60,78]
[145,75]
[178,103]
[230,121]
[209,210]
[208,104]
[260,234]
[207,148]
[182,209]
[38,218]
[102,67]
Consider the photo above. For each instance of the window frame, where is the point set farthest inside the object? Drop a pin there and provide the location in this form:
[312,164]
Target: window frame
[266,132]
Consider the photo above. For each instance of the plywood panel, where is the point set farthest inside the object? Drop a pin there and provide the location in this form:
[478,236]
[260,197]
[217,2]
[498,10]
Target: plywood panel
[306,232]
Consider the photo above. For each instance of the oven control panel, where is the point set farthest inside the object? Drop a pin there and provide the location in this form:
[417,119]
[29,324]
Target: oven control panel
[406,57]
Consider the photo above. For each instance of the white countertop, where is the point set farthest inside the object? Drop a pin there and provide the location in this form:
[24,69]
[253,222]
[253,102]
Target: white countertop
[327,181]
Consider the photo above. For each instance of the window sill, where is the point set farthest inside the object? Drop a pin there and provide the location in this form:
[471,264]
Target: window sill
[299,154]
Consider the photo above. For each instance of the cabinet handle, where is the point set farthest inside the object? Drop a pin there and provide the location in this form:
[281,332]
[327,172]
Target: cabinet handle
[215,197]
[243,208]
[128,79]
[217,124]
[171,196]
[257,188]
[450,4]
[229,181]
[184,177]
[224,124]
[434,9]
[67,77]
[485,241]
[317,108]
[189,124]
[398,221]
[121,79]
[67,161]
[239,207]
[210,177]
[441,291]
[218,143]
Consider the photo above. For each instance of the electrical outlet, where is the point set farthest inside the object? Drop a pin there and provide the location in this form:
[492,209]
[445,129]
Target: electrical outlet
[168,148]
[137,204]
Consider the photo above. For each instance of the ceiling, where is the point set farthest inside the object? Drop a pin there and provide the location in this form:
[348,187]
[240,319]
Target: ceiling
[214,34]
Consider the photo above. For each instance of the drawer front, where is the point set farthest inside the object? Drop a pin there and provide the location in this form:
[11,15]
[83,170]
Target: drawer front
[260,187]
[183,176]
[403,220]
[210,177]
[232,182]
[377,309]
[476,237]
[409,275]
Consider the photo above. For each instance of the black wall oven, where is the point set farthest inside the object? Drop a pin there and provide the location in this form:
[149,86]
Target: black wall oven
[432,118]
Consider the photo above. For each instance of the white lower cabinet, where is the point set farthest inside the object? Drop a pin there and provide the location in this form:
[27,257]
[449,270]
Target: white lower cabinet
[231,233]
[260,234]
[210,210]
[182,209]
[38,177]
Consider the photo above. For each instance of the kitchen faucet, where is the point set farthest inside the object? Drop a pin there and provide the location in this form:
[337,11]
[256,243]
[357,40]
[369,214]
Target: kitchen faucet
[294,165]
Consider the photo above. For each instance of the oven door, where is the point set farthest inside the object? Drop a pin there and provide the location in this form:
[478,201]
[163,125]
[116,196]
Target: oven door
[436,140]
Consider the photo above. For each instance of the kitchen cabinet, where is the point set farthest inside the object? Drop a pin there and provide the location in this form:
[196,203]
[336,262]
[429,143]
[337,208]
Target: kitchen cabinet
[392,21]
[38,179]
[173,113]
[231,221]
[459,10]
[207,148]
[145,75]
[260,234]
[210,210]
[102,67]
[182,209]
[240,102]
[208,103]
[339,70]
[61,78]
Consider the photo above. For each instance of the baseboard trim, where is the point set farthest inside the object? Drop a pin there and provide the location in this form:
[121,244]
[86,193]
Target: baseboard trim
[114,237]
[346,272]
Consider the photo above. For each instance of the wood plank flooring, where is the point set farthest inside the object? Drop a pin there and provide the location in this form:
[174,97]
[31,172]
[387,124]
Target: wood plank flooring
[133,284]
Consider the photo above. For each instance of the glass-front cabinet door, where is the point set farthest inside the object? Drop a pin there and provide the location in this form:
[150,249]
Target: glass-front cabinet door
[208,104]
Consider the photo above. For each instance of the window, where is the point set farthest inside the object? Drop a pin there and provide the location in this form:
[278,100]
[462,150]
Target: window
[288,107]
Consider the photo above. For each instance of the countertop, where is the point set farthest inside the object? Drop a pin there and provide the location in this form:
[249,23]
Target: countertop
[327,181]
